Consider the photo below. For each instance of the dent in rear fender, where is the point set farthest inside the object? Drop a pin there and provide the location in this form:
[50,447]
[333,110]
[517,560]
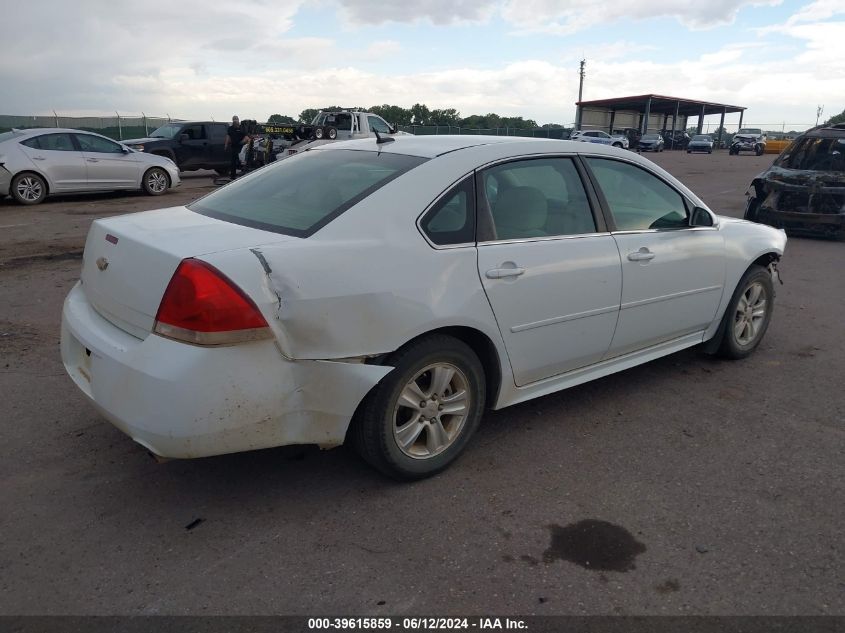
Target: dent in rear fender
[342,299]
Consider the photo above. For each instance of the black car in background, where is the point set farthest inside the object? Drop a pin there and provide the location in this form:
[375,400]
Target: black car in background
[804,190]
[190,144]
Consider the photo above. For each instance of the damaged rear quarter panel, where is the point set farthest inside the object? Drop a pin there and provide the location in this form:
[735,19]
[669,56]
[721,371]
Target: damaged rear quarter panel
[367,283]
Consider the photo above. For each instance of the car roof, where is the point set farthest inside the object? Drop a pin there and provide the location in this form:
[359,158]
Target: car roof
[433,146]
[830,131]
[54,130]
[428,146]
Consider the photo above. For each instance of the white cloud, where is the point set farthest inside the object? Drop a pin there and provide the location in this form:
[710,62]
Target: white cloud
[439,12]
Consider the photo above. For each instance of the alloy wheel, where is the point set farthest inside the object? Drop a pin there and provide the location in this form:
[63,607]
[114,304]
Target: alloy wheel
[750,314]
[431,410]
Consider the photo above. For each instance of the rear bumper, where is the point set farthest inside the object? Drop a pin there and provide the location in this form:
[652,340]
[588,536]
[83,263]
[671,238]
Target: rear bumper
[183,401]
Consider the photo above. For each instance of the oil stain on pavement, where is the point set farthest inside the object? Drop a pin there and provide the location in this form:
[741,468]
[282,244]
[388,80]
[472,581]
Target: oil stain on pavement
[594,544]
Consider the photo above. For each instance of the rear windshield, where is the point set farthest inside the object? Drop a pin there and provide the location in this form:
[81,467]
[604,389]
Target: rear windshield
[701,138]
[301,194]
[651,137]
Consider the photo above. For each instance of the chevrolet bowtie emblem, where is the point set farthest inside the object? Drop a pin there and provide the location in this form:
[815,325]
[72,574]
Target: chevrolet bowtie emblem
[102,263]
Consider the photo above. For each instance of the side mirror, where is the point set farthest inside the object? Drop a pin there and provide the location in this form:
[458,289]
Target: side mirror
[700,217]
[125,149]
[183,138]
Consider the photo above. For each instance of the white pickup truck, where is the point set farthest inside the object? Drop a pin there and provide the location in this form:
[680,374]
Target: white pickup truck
[341,125]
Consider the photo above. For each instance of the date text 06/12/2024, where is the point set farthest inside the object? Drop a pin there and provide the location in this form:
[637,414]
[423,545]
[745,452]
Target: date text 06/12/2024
[415,624]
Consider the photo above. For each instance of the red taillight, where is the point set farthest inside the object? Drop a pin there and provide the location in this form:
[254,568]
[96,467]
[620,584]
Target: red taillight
[203,306]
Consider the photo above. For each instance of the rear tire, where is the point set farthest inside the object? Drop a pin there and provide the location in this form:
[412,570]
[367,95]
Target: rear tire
[28,188]
[748,314]
[758,150]
[331,132]
[751,210]
[155,182]
[420,417]
[619,145]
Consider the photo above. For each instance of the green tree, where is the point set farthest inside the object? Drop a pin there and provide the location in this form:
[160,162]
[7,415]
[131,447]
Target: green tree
[838,118]
[392,114]
[449,116]
[420,114]
[308,114]
[280,119]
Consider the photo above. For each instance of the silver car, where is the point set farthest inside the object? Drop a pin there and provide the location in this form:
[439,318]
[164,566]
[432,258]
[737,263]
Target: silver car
[39,162]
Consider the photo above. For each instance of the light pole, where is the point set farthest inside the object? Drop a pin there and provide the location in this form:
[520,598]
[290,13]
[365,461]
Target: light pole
[580,95]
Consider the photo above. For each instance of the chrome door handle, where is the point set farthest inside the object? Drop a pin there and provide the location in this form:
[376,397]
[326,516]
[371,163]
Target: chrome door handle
[38,158]
[642,255]
[93,160]
[500,273]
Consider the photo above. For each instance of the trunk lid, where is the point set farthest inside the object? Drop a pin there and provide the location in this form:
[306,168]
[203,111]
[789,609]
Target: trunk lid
[129,260]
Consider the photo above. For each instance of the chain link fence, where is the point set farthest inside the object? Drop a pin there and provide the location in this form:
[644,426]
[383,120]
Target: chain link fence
[118,127]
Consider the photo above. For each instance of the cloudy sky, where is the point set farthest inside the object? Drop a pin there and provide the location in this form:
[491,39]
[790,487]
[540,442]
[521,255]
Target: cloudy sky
[200,59]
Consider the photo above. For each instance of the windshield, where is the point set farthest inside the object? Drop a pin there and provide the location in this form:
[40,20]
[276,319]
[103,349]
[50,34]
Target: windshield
[301,194]
[651,137]
[816,154]
[702,137]
[166,131]
[750,130]
[5,136]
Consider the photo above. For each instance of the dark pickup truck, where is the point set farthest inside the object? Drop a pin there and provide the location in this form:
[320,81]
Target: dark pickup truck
[190,144]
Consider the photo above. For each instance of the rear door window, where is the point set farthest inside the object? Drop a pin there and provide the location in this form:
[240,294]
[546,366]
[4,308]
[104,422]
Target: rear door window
[301,194]
[534,198]
[52,142]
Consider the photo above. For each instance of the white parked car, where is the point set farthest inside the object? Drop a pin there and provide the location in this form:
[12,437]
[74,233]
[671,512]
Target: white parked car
[38,162]
[388,293]
[603,138]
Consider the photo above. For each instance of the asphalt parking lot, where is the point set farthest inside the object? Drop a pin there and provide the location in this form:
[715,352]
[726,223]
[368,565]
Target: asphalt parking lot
[713,487]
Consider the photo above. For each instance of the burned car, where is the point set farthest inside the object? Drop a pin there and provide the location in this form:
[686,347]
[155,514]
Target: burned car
[804,190]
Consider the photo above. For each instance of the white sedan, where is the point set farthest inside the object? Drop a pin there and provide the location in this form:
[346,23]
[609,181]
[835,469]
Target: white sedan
[38,162]
[597,136]
[386,294]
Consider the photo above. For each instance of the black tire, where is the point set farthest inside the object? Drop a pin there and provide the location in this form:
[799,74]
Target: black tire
[28,188]
[689,151]
[751,210]
[732,346]
[732,152]
[222,172]
[155,182]
[619,145]
[318,133]
[331,132]
[758,150]
[372,432]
